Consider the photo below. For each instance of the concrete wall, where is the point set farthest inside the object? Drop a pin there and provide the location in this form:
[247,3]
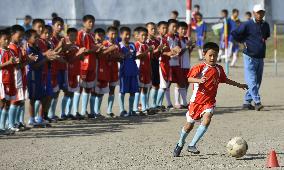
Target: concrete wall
[128,11]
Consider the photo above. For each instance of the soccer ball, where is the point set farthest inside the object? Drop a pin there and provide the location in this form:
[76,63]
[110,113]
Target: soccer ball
[237,147]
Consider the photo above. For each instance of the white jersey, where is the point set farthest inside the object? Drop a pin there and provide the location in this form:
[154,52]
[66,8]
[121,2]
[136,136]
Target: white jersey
[173,42]
[185,57]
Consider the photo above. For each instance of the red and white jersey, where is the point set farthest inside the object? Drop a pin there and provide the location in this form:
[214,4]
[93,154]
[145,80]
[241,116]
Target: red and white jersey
[43,47]
[73,66]
[154,42]
[173,41]
[112,59]
[20,73]
[59,65]
[185,57]
[87,40]
[7,74]
[164,60]
[145,64]
[207,91]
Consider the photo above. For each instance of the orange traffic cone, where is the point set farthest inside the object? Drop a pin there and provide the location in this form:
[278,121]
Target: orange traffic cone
[272,160]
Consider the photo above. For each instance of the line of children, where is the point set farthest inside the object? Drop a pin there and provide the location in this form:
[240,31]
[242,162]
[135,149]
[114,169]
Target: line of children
[86,64]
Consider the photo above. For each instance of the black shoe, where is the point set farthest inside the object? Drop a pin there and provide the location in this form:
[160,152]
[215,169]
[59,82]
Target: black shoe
[170,107]
[99,116]
[152,111]
[124,114]
[133,113]
[90,116]
[23,127]
[71,117]
[8,132]
[143,113]
[248,107]
[258,106]
[177,151]
[63,117]
[79,116]
[193,149]
[110,115]
[161,108]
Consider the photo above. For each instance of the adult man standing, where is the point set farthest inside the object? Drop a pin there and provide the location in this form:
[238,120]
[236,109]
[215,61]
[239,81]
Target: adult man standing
[253,34]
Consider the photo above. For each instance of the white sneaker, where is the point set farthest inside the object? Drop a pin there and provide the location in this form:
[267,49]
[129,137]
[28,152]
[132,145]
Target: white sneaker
[14,129]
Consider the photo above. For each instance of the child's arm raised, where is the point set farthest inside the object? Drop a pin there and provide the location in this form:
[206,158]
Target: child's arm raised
[233,83]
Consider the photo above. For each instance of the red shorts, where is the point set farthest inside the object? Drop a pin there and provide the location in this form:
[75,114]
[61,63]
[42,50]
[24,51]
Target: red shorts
[196,111]
[87,78]
[144,79]
[113,74]
[73,83]
[176,75]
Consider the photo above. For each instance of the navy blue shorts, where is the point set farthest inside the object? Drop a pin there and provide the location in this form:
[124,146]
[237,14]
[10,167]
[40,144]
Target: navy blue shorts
[35,86]
[199,42]
[62,79]
[128,84]
[155,72]
[48,90]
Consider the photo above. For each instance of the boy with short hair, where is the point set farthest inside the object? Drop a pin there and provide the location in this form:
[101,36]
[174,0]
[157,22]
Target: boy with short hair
[205,78]
[113,58]
[86,39]
[36,86]
[164,68]
[175,70]
[153,41]
[233,45]
[186,46]
[224,17]
[143,53]
[128,72]
[7,81]
[201,29]
[73,55]
[17,107]
[248,15]
[58,70]
[102,78]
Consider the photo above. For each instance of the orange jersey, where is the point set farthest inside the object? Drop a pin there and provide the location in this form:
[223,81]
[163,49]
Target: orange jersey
[207,91]
[87,40]
[7,75]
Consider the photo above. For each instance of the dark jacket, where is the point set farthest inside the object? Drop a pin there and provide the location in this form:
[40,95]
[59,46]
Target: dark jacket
[253,35]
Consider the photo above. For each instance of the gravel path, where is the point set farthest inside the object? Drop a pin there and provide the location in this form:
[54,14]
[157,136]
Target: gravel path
[148,142]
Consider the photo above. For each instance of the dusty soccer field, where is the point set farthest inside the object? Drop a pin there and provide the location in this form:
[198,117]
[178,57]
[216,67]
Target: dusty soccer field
[148,142]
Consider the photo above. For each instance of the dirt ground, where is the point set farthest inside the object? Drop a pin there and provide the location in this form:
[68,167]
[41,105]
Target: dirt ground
[148,142]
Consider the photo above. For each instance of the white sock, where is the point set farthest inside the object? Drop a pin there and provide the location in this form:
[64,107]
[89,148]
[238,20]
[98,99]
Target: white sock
[177,96]
[168,97]
[235,57]
[182,92]
[200,54]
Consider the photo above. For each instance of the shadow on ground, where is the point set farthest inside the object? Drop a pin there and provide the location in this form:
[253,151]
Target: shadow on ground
[97,127]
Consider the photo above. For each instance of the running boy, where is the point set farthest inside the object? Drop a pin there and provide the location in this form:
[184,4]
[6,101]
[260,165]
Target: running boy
[128,72]
[205,78]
